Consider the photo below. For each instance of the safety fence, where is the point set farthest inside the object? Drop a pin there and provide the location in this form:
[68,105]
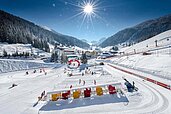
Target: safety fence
[84,92]
[143,77]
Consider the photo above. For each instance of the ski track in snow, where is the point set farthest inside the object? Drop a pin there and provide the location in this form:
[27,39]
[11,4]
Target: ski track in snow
[150,98]
[158,99]
[14,98]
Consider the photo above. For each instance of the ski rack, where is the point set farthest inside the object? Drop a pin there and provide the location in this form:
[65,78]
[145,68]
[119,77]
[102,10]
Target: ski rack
[86,91]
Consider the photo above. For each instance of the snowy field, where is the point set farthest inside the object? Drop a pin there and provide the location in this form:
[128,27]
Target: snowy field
[149,99]
[20,100]
[9,65]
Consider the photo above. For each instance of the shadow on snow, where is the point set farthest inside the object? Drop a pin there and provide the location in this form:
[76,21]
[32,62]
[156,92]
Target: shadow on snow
[82,102]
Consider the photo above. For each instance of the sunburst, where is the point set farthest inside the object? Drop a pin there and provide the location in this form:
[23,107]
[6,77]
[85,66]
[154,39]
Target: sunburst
[88,10]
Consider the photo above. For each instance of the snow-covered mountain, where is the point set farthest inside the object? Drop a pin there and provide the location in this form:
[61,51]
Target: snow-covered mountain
[17,30]
[156,63]
[139,32]
[101,40]
[163,40]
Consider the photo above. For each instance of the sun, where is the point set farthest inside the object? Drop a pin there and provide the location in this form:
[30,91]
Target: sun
[88,11]
[88,8]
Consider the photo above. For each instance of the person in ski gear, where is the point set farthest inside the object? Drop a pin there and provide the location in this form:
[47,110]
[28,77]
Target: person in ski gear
[13,85]
[70,87]
[45,73]
[92,73]
[130,87]
[34,71]
[79,81]
[27,73]
[84,82]
[94,82]
[40,70]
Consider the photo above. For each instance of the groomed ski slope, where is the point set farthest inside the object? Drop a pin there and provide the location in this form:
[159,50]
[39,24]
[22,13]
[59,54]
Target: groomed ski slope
[19,100]
[163,39]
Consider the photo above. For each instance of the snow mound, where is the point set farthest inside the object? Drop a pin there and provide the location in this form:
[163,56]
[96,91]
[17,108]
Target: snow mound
[16,65]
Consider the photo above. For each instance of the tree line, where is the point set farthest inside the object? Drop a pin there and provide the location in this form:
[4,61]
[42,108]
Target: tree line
[16,54]
[17,30]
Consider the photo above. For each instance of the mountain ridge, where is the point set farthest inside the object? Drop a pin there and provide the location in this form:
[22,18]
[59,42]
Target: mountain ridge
[139,32]
[14,29]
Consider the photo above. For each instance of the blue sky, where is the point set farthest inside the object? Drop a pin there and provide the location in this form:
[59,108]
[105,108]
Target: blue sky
[110,15]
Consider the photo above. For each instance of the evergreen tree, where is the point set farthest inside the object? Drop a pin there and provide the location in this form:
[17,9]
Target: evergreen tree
[17,30]
[115,48]
[83,58]
[54,57]
[5,54]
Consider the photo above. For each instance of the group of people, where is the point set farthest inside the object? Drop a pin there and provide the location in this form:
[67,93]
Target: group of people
[94,81]
[41,70]
[81,81]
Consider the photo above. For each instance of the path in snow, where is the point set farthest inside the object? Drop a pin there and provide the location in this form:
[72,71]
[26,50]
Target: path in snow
[149,99]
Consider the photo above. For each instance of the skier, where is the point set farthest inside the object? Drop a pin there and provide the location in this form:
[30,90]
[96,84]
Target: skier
[84,82]
[82,74]
[94,82]
[45,73]
[27,73]
[130,87]
[70,87]
[44,70]
[40,70]
[34,71]
[64,70]
[92,73]
[79,81]
[13,85]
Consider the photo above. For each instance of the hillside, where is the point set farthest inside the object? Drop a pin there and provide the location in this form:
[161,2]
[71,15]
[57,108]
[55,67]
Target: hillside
[22,48]
[163,40]
[156,63]
[17,30]
[139,32]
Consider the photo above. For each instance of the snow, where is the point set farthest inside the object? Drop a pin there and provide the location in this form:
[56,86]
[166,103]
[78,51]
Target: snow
[106,49]
[149,99]
[51,47]
[163,39]
[22,97]
[157,64]
[79,49]
[47,28]
[12,48]
[9,65]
